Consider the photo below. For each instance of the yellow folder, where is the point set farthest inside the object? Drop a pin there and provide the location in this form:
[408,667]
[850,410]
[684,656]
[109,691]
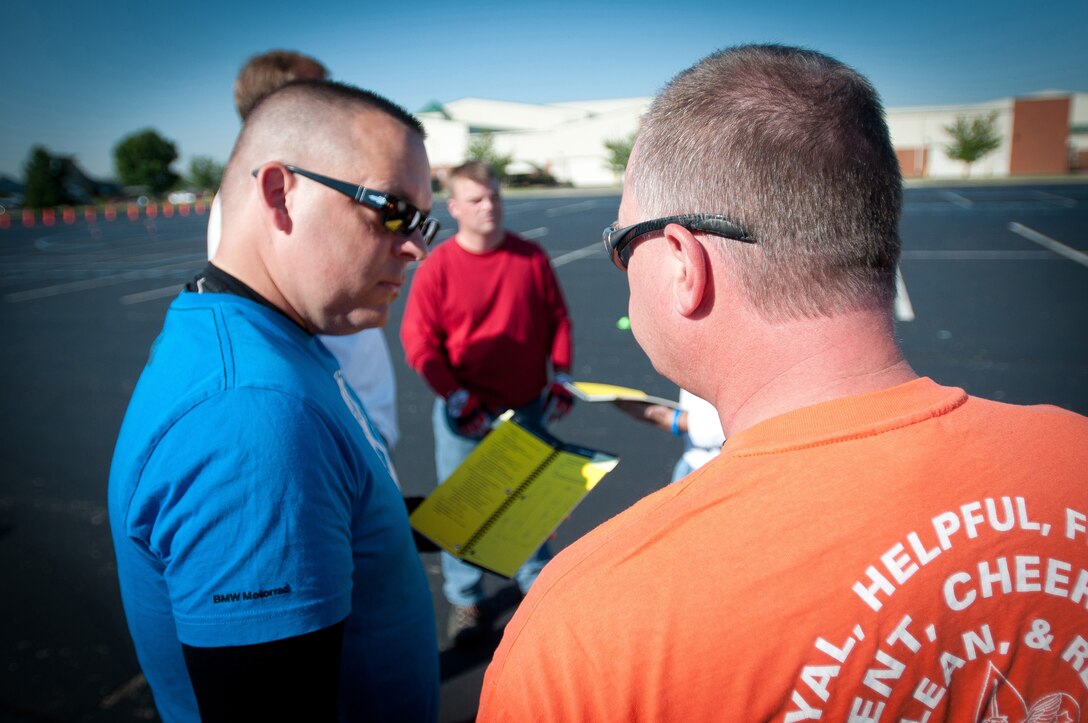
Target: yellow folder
[509,495]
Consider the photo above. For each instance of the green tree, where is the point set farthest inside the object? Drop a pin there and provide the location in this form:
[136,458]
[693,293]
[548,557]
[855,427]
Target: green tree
[619,152]
[972,138]
[143,159]
[482,148]
[205,173]
[44,184]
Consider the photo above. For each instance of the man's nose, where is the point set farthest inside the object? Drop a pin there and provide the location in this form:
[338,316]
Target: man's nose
[413,246]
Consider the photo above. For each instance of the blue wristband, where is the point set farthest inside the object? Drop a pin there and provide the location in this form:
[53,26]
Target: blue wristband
[676,423]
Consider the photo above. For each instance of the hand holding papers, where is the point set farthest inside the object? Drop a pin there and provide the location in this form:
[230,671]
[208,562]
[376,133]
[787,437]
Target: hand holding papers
[509,495]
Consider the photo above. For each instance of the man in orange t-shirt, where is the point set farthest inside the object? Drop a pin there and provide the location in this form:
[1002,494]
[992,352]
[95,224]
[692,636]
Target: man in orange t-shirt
[869,545]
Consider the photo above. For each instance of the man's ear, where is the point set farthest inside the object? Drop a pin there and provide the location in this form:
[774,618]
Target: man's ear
[692,269]
[274,183]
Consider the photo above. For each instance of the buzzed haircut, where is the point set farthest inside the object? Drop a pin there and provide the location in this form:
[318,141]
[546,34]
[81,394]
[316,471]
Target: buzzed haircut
[303,119]
[794,146]
[266,72]
[345,97]
[479,171]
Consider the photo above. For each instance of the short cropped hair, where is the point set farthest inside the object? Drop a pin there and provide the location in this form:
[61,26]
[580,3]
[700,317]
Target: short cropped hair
[479,171]
[342,96]
[266,72]
[301,121]
[794,146]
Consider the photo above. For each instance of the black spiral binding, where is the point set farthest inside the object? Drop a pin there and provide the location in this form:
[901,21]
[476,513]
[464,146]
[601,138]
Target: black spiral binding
[466,549]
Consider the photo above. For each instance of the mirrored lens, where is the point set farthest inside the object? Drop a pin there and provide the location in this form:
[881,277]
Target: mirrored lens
[611,236]
[406,219]
[401,217]
[428,230]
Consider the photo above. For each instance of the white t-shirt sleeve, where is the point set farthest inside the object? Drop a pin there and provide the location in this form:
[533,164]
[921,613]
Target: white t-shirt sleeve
[704,426]
[215,225]
[368,367]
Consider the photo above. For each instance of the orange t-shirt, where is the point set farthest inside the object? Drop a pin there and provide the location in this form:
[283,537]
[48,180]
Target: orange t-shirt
[913,554]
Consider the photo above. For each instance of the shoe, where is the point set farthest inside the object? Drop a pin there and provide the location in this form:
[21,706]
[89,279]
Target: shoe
[465,625]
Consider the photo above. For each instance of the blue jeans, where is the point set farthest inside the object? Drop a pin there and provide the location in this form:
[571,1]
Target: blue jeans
[463,583]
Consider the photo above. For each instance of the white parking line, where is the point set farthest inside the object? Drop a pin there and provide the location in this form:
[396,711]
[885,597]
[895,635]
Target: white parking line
[904,311]
[1048,243]
[88,284]
[129,689]
[1063,200]
[961,201]
[152,294]
[510,209]
[575,255]
[571,208]
[538,232]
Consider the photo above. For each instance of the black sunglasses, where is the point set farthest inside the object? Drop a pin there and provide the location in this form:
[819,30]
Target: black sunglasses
[618,241]
[397,216]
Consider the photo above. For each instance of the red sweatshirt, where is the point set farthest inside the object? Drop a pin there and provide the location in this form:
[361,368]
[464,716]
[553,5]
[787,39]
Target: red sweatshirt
[487,322]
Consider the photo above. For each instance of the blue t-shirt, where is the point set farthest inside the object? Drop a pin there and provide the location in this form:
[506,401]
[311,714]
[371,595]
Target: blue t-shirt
[247,505]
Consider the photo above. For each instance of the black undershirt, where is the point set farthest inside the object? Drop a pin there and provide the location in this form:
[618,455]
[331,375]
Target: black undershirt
[214,280]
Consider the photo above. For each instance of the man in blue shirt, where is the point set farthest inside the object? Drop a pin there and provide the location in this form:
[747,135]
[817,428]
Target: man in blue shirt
[264,554]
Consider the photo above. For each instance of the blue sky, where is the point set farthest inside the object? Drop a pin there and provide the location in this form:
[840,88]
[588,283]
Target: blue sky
[77,77]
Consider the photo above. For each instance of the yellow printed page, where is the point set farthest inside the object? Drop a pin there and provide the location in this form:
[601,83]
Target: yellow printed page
[461,505]
[537,511]
[596,390]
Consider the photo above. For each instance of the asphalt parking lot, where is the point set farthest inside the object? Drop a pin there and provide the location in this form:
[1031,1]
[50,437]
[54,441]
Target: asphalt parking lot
[993,298]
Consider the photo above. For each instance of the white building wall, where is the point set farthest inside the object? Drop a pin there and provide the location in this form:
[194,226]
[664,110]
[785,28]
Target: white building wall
[506,115]
[925,128]
[446,140]
[574,152]
[1079,110]
[607,105]
[1079,119]
[568,139]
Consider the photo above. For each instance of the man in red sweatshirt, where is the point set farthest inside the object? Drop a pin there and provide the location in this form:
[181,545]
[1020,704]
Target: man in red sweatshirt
[485,316]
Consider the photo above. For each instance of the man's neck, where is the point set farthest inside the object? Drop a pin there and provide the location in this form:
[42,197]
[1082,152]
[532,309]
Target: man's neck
[213,280]
[477,243]
[801,363]
[256,276]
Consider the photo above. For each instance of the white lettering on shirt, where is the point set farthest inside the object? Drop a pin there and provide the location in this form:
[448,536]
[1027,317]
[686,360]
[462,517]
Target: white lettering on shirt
[972,642]
[892,670]
[865,711]
[1074,524]
[929,693]
[901,561]
[1075,654]
[804,710]
[1024,575]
